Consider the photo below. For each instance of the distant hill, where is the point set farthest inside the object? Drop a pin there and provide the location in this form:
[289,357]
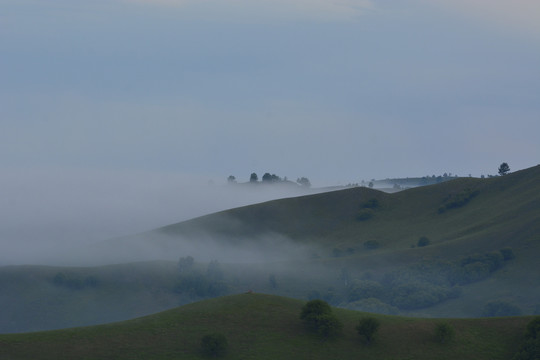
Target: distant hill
[266,327]
[496,212]
[462,248]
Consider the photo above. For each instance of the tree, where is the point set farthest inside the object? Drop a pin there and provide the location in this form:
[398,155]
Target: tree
[214,345]
[444,332]
[253,178]
[318,317]
[503,169]
[231,179]
[313,309]
[304,181]
[329,326]
[267,177]
[367,328]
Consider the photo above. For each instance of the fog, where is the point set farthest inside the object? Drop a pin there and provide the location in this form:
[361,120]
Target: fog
[43,213]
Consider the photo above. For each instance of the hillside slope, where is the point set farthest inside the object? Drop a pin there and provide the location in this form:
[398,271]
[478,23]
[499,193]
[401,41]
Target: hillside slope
[306,247]
[497,212]
[265,327]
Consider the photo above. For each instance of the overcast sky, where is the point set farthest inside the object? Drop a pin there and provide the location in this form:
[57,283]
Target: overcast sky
[335,90]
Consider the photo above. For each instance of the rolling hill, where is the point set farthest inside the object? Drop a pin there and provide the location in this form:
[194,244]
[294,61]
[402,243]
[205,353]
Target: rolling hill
[357,248]
[266,327]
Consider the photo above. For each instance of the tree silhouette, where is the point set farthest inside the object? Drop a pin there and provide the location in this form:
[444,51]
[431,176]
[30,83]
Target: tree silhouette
[503,169]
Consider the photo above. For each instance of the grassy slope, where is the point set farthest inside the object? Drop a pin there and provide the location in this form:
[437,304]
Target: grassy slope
[506,213]
[264,327]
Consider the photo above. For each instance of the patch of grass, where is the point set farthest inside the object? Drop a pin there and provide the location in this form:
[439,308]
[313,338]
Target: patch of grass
[265,327]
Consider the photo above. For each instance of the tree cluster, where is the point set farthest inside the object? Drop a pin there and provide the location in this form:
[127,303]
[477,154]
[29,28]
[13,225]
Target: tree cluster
[269,178]
[424,284]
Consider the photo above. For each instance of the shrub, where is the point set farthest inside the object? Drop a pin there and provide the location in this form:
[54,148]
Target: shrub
[444,332]
[214,345]
[423,241]
[367,328]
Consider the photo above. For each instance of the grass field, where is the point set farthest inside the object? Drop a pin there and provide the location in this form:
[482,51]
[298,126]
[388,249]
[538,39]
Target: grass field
[266,327]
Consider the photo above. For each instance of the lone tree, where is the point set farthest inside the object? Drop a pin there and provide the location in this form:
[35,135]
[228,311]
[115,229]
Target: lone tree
[318,317]
[253,177]
[503,169]
[214,345]
[367,328]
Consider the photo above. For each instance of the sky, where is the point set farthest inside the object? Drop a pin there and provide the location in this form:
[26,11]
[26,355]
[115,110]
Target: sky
[107,107]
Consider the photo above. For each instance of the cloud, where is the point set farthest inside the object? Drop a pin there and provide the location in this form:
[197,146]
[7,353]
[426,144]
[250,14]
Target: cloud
[322,10]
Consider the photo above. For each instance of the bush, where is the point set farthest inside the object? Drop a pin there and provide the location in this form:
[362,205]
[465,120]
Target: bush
[500,308]
[444,332]
[214,345]
[423,241]
[367,328]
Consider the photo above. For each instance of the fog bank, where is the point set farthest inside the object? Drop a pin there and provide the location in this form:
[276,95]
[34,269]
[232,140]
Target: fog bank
[43,211]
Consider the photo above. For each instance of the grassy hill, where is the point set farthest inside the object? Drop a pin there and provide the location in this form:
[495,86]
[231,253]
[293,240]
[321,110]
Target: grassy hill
[265,327]
[356,248]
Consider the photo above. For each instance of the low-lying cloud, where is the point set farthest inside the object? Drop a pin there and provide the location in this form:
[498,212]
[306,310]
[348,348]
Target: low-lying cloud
[45,211]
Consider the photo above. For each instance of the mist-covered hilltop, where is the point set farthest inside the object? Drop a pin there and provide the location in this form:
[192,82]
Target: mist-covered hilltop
[462,248]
